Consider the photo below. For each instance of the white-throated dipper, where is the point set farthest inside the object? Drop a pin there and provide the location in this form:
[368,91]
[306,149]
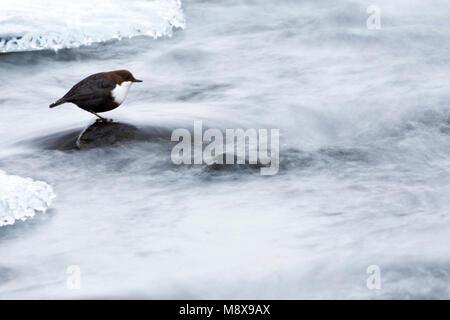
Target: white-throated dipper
[100,92]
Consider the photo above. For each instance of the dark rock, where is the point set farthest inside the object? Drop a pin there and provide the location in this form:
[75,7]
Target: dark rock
[102,134]
[99,135]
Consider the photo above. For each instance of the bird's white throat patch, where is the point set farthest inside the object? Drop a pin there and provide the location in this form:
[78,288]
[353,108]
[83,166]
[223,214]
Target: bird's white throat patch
[119,93]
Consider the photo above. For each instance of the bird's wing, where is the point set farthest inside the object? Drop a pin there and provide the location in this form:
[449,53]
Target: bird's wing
[90,88]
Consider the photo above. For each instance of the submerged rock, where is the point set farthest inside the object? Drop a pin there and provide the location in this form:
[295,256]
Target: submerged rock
[63,141]
[102,134]
[238,164]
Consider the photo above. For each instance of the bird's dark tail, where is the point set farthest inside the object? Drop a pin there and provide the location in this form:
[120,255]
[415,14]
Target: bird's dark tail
[57,103]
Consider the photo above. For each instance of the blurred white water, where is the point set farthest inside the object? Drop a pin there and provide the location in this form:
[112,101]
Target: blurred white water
[52,24]
[364,118]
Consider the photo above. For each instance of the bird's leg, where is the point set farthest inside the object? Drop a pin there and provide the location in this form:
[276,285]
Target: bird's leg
[100,117]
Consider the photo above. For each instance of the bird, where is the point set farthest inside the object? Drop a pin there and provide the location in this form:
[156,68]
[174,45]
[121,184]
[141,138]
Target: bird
[99,92]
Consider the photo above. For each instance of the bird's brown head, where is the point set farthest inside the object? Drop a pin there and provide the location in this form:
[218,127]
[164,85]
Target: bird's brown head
[125,75]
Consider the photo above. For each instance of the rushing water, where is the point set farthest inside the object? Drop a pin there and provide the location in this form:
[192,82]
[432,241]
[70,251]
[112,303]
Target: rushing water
[364,119]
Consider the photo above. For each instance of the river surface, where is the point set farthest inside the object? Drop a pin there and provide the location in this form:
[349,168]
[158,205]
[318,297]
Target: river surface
[364,176]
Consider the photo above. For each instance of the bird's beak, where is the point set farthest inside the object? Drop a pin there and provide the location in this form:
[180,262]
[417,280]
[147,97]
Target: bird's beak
[136,80]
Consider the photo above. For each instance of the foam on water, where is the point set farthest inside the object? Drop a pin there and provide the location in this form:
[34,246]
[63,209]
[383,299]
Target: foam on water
[52,24]
[21,198]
